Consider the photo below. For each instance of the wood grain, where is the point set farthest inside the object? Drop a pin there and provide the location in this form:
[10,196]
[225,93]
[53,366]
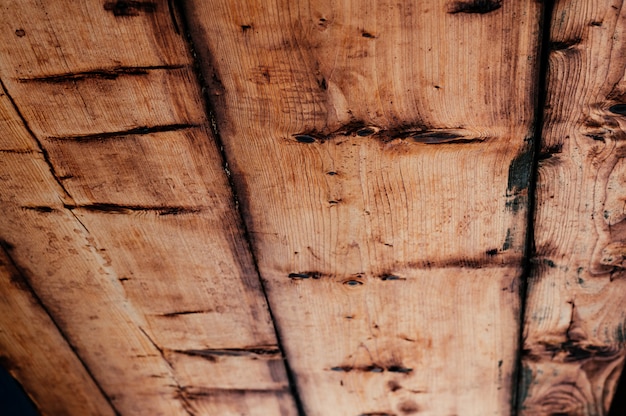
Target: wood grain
[37,354]
[574,326]
[119,211]
[380,152]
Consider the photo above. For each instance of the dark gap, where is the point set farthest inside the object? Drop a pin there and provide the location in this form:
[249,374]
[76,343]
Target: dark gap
[618,406]
[13,399]
[535,146]
[27,286]
[246,234]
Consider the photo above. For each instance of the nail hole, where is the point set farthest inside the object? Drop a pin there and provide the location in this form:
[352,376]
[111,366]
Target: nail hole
[331,173]
[20,33]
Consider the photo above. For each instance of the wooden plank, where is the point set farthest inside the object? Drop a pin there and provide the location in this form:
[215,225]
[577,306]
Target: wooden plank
[380,153]
[115,169]
[38,355]
[574,326]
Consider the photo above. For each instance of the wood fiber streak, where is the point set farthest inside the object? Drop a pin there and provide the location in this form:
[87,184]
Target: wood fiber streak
[118,210]
[34,352]
[380,153]
[574,326]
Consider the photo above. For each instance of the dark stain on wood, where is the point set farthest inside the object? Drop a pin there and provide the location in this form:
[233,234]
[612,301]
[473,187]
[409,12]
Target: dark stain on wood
[520,172]
[408,407]
[474,6]
[129,7]
[508,240]
[393,386]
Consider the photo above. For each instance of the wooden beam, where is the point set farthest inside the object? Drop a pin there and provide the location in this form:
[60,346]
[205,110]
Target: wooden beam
[574,326]
[37,354]
[381,154]
[119,212]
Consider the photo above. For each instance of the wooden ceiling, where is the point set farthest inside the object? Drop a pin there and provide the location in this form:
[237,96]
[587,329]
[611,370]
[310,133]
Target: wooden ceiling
[313,207]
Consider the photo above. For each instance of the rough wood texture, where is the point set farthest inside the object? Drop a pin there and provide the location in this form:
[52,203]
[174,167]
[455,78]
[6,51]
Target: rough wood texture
[574,327]
[117,210]
[37,354]
[380,153]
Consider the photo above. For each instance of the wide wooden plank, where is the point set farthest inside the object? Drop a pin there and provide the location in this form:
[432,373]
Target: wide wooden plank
[380,151]
[38,355]
[114,163]
[574,326]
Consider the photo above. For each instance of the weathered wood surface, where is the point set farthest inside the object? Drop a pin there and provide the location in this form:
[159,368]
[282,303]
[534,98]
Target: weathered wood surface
[117,211]
[574,327]
[35,352]
[380,152]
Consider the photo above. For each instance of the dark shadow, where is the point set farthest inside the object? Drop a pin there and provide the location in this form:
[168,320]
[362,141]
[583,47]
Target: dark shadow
[13,398]
[618,406]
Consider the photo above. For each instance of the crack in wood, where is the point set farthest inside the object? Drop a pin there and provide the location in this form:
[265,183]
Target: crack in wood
[216,89]
[108,73]
[41,149]
[410,133]
[179,388]
[128,209]
[373,369]
[191,392]
[43,209]
[271,351]
[120,134]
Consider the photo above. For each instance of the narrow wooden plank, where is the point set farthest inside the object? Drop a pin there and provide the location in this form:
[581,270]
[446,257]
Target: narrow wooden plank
[68,272]
[380,152]
[118,148]
[52,38]
[37,354]
[574,326]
